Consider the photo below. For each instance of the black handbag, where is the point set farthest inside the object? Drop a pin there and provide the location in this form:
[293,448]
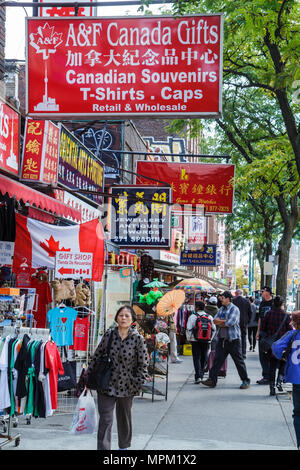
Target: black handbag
[267,342]
[99,377]
[67,381]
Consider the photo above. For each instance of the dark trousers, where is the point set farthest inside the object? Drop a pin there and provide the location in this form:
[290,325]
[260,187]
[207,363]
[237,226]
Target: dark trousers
[264,362]
[274,365]
[106,406]
[296,412]
[200,355]
[244,339]
[252,330]
[223,348]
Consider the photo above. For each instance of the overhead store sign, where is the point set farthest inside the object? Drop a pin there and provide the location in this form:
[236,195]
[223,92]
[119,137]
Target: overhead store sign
[134,66]
[208,184]
[78,167]
[64,11]
[140,216]
[205,256]
[40,152]
[9,139]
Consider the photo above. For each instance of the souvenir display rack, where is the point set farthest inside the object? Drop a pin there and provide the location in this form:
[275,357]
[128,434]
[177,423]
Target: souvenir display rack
[155,331]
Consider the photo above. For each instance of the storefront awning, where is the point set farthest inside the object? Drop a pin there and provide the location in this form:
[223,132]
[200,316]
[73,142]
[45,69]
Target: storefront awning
[34,197]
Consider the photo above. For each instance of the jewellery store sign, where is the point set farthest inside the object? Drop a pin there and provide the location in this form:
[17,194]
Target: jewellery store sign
[137,66]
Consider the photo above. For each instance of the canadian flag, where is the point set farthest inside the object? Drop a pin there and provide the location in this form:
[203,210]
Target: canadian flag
[37,242]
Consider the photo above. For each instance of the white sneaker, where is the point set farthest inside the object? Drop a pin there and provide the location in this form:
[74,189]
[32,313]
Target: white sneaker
[178,361]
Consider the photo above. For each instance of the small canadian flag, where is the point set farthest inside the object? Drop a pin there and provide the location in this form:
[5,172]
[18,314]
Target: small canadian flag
[37,242]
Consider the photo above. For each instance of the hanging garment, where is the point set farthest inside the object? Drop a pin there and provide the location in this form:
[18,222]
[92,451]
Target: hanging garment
[30,378]
[54,364]
[20,366]
[81,333]
[44,297]
[4,389]
[61,320]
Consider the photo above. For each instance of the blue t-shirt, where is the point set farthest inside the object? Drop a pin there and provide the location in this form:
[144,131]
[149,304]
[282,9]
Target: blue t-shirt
[61,320]
[292,368]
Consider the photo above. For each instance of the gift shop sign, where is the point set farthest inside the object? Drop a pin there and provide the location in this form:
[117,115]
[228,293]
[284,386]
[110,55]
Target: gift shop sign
[9,139]
[40,152]
[207,184]
[137,66]
[75,265]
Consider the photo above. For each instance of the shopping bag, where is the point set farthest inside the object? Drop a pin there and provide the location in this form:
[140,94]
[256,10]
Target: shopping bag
[85,416]
[223,370]
[67,381]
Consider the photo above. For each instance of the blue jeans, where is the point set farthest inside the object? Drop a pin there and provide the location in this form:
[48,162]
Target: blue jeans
[296,411]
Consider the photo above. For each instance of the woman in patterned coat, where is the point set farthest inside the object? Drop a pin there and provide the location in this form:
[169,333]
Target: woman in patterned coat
[130,361]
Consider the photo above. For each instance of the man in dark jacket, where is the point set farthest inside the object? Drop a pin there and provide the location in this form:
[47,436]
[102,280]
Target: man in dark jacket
[245,316]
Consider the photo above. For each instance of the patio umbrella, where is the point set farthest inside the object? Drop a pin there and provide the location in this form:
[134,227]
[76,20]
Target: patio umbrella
[170,302]
[156,283]
[195,284]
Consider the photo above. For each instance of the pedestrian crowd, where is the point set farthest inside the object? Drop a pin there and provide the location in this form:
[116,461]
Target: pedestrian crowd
[219,327]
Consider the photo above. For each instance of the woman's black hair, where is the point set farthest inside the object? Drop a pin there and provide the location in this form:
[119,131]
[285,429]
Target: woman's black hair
[128,307]
[278,301]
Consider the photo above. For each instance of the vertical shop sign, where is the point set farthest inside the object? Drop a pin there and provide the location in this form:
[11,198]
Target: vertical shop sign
[137,66]
[78,168]
[40,152]
[9,139]
[197,230]
[140,216]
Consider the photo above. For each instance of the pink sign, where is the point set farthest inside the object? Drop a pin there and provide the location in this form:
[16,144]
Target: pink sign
[130,66]
[9,138]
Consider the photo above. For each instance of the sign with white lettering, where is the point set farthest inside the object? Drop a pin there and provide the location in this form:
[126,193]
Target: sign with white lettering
[9,138]
[129,66]
[73,265]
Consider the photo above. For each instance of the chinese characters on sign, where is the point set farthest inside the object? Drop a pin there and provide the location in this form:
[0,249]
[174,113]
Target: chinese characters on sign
[205,256]
[9,139]
[64,11]
[125,66]
[40,152]
[78,167]
[209,184]
[140,216]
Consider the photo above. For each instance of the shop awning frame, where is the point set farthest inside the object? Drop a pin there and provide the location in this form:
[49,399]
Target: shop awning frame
[35,198]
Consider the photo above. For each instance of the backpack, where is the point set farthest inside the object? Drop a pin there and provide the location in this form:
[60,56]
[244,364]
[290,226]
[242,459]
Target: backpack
[202,330]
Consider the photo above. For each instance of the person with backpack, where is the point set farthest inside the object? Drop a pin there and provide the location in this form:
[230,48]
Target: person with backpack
[229,342]
[200,330]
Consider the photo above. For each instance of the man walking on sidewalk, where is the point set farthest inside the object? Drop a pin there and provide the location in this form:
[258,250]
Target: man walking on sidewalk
[229,342]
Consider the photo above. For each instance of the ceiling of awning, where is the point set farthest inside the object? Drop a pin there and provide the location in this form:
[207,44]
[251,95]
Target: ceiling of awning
[34,197]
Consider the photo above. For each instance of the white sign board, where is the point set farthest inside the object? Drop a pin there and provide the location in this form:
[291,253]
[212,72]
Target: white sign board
[268,268]
[73,265]
[6,253]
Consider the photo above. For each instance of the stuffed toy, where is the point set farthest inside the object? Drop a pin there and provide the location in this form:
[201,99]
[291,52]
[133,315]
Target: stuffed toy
[83,295]
[63,290]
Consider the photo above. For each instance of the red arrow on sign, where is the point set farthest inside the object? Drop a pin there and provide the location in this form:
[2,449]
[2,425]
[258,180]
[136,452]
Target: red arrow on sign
[63,270]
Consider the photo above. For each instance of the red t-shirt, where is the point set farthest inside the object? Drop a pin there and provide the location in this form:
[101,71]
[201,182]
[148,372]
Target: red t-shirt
[44,298]
[54,364]
[81,333]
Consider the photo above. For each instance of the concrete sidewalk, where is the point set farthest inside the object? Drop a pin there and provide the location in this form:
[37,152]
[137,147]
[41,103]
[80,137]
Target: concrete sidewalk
[193,418]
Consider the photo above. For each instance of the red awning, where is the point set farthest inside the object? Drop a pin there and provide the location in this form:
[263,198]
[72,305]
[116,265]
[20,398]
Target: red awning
[47,203]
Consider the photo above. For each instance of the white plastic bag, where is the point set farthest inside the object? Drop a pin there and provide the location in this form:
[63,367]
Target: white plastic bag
[85,416]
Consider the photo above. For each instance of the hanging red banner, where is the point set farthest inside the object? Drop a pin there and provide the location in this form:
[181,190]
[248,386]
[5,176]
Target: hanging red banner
[40,152]
[129,66]
[9,139]
[211,185]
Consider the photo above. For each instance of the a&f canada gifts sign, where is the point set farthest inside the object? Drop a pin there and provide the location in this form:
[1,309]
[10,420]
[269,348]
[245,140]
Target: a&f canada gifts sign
[40,152]
[130,66]
[140,216]
[207,184]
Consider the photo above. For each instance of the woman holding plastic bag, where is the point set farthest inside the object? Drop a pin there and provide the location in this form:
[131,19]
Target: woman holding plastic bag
[129,369]
[288,348]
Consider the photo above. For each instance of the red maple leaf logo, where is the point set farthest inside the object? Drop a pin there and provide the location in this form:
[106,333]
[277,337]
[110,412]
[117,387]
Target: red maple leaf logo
[53,247]
[45,41]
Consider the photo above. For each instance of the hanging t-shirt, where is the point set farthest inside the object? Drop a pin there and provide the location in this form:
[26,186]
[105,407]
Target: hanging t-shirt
[43,299]
[54,365]
[61,320]
[81,333]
